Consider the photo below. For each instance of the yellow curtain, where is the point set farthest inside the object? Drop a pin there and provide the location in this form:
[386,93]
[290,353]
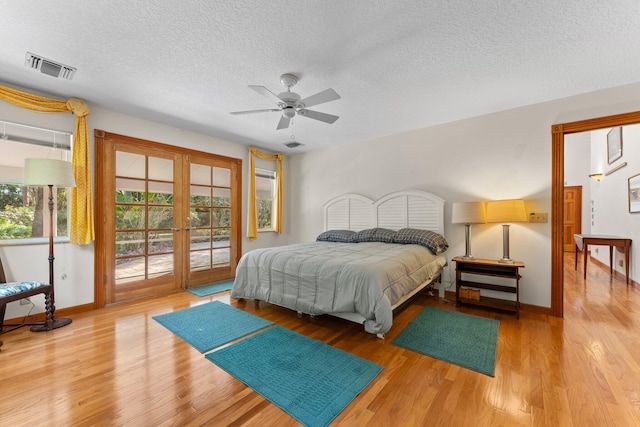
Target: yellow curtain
[252,233]
[81,201]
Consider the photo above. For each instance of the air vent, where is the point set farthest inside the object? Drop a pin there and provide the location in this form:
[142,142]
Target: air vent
[49,67]
[293,144]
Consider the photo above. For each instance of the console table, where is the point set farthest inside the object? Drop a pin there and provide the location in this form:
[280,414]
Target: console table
[489,267]
[584,240]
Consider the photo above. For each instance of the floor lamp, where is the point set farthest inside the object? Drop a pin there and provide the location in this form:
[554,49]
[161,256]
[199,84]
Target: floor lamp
[49,173]
[506,211]
[468,213]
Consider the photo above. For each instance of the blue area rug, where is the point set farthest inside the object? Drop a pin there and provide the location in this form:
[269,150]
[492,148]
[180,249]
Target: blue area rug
[214,288]
[458,338]
[310,380]
[210,325]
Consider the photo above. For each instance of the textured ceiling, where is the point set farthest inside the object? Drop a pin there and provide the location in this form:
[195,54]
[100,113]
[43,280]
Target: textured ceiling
[398,65]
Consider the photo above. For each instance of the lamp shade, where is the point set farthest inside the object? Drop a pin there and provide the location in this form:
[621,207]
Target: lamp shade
[506,211]
[48,172]
[469,213]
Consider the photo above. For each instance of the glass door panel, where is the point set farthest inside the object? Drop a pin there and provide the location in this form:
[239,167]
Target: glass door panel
[144,255]
[211,195]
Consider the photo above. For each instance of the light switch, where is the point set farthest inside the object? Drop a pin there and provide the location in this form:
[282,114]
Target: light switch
[538,217]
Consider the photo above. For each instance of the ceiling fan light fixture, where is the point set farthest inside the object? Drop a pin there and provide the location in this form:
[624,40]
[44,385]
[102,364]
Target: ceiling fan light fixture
[292,104]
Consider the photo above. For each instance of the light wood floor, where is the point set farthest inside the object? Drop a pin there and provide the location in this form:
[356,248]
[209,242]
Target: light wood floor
[117,366]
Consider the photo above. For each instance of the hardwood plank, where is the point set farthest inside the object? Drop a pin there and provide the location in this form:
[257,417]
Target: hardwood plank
[117,366]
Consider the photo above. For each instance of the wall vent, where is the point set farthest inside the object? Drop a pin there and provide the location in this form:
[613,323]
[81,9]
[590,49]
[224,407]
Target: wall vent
[293,144]
[49,67]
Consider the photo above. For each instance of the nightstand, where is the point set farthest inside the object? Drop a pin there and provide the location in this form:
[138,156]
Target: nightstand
[493,268]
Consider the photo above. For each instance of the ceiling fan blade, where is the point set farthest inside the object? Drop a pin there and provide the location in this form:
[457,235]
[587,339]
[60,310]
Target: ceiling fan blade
[254,111]
[267,93]
[323,117]
[320,98]
[283,123]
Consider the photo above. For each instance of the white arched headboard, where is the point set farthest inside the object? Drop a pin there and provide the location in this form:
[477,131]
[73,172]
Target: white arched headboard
[401,209]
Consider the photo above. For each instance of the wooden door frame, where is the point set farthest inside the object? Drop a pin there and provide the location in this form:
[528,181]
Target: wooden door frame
[99,243]
[558,131]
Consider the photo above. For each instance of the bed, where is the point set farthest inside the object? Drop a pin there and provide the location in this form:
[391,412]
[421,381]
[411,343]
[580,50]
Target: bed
[371,259]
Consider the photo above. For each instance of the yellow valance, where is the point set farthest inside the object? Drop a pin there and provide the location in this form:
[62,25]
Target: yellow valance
[82,231]
[252,232]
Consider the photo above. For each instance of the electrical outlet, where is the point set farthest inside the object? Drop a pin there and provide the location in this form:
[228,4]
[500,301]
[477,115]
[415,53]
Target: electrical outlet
[538,217]
[25,301]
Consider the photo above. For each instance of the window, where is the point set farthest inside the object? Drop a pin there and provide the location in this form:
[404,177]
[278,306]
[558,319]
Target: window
[24,210]
[265,196]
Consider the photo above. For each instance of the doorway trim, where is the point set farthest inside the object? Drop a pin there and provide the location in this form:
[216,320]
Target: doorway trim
[558,131]
[99,298]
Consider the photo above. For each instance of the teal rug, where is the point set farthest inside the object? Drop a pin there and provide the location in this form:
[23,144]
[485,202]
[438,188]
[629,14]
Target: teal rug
[458,338]
[210,325]
[310,380]
[214,288]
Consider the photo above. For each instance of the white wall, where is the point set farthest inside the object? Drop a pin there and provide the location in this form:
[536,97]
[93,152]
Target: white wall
[74,265]
[498,156]
[577,168]
[610,196]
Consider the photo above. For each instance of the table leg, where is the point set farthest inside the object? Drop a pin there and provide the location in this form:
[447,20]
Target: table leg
[575,267]
[458,280]
[627,249]
[610,259]
[584,256]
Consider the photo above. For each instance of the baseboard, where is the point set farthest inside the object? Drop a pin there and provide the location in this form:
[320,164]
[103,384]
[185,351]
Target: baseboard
[62,312]
[536,309]
[616,273]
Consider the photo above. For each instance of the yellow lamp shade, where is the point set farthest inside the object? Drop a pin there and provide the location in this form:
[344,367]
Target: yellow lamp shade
[506,211]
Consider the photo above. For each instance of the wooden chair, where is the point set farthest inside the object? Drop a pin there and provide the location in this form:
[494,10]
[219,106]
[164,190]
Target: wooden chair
[15,291]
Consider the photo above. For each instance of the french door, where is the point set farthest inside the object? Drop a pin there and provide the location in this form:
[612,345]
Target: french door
[168,218]
[211,220]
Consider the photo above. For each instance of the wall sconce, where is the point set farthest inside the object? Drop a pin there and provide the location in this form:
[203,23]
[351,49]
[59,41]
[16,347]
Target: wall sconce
[506,211]
[596,176]
[468,213]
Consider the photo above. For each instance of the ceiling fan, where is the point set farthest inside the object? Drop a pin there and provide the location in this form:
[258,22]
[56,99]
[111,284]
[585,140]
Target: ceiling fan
[291,104]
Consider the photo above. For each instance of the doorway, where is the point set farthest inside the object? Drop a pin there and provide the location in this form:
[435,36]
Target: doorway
[558,132]
[169,218]
[572,210]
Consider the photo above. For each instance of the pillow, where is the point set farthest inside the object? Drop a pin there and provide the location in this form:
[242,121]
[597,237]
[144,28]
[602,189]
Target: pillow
[341,236]
[429,239]
[384,235]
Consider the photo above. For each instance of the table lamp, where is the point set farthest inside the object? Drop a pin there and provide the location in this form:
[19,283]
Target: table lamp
[468,213]
[506,211]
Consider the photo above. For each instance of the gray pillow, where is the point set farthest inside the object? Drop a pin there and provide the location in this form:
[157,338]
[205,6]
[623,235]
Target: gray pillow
[384,235]
[429,239]
[341,236]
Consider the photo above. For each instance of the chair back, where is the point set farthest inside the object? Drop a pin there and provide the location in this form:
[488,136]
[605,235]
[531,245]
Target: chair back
[3,279]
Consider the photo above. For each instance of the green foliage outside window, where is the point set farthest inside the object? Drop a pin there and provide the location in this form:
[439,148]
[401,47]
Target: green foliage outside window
[264,213]
[136,211]
[21,211]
